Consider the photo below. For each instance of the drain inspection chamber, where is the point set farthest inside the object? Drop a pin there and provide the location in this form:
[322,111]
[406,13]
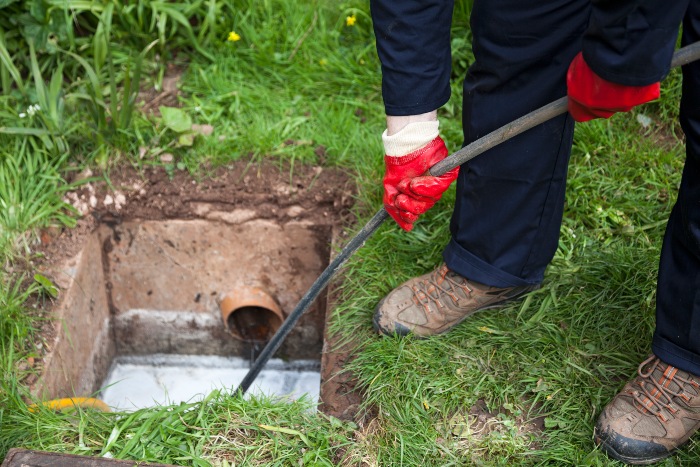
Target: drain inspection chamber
[162,311]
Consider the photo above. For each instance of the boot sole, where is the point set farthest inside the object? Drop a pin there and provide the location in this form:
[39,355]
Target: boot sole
[632,460]
[601,441]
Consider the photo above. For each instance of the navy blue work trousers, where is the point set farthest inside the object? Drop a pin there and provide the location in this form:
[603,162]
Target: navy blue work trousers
[510,200]
[677,336]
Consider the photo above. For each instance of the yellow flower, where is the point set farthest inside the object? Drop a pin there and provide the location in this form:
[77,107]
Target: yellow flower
[350,20]
[323,62]
[233,37]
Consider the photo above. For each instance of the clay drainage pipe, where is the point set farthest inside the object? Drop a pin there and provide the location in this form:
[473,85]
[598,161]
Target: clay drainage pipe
[683,56]
[251,314]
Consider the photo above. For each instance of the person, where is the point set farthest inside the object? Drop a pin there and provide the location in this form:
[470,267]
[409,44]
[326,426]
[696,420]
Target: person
[607,57]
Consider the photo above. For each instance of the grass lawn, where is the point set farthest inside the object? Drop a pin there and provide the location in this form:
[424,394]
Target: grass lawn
[538,372]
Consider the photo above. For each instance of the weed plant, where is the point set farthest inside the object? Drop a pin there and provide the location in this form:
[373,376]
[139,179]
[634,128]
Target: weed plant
[30,195]
[301,84]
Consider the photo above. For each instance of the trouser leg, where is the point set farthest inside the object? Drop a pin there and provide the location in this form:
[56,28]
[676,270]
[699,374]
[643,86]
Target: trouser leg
[677,336]
[508,212]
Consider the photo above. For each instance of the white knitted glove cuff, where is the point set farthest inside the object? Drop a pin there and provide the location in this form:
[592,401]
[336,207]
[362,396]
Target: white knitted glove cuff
[411,137]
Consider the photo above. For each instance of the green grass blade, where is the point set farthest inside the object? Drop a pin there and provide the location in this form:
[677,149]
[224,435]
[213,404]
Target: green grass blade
[9,67]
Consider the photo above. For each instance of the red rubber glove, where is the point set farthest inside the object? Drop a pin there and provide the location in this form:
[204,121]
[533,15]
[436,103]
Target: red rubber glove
[409,190]
[590,96]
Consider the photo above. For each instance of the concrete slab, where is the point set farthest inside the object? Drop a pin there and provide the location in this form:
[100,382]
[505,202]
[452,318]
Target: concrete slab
[136,382]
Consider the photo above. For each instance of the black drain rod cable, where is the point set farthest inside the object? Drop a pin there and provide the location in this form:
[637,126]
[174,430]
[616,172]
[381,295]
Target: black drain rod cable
[681,57]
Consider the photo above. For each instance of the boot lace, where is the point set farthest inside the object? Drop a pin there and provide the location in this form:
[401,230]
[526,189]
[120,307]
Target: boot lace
[653,395]
[438,284]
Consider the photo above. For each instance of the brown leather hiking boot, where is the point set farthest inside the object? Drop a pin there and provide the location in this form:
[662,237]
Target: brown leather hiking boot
[436,302]
[654,414]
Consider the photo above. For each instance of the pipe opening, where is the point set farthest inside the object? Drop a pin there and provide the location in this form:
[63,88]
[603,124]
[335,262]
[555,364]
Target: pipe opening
[253,323]
[251,315]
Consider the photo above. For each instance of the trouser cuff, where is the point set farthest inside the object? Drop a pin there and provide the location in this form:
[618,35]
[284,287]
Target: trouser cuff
[466,264]
[673,355]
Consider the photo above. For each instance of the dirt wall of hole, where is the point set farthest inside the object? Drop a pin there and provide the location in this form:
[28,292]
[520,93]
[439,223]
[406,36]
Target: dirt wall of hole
[165,280]
[80,353]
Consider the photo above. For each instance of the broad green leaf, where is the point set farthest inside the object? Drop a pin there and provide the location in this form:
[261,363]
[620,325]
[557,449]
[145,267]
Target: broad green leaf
[176,119]
[288,431]
[186,139]
[46,285]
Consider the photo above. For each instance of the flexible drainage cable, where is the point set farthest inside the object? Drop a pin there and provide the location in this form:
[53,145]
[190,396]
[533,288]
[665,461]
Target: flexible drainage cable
[681,57]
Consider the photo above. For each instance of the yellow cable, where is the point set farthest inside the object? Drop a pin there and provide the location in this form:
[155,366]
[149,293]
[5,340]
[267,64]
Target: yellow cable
[73,402]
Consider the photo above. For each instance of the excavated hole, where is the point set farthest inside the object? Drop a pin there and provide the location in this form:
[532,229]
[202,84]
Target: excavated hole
[141,320]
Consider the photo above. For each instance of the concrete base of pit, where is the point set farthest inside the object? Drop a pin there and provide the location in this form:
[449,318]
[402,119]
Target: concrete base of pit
[140,382]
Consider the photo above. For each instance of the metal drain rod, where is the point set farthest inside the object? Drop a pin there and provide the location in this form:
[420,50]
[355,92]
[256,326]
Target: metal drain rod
[683,56]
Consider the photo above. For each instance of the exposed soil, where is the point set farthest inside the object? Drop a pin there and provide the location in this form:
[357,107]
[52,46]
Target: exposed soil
[482,418]
[152,99]
[479,423]
[339,393]
[236,193]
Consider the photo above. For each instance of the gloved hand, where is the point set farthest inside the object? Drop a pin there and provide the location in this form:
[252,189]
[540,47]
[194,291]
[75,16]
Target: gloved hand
[409,190]
[591,96]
